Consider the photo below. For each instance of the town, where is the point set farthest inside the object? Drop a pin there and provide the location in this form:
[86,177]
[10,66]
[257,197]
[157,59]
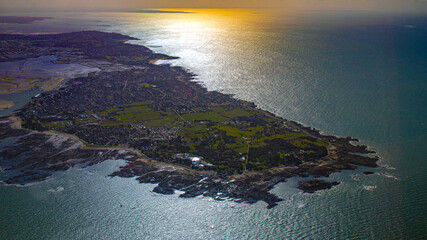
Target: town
[154,115]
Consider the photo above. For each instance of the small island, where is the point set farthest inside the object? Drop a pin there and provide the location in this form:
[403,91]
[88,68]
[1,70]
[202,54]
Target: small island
[171,131]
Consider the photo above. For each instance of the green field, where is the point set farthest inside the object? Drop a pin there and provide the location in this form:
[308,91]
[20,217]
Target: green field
[223,136]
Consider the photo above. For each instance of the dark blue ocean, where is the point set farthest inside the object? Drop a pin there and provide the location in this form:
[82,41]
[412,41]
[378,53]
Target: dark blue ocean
[359,74]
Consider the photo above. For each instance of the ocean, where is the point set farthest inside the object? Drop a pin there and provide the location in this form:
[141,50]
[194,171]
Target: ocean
[359,74]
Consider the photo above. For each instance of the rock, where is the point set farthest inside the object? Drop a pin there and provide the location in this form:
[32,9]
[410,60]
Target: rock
[163,190]
[315,185]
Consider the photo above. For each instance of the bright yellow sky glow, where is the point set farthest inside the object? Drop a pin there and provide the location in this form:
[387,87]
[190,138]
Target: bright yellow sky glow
[101,5]
[216,18]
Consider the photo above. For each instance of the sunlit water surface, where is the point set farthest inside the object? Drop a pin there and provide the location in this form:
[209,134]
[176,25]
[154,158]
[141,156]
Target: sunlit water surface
[357,74]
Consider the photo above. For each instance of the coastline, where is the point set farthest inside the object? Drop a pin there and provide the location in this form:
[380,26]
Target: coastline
[153,61]
[249,186]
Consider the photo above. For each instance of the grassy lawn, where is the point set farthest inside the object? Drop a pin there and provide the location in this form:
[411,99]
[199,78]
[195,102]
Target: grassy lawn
[235,132]
[234,113]
[204,116]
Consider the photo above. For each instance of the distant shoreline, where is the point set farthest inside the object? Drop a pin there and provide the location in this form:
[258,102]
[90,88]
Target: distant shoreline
[21,20]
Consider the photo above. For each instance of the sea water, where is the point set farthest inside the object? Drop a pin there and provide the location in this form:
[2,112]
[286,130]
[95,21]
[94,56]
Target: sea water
[356,74]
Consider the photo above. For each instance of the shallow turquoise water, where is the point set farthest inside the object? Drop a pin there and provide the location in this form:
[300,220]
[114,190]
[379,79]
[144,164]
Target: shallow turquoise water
[364,80]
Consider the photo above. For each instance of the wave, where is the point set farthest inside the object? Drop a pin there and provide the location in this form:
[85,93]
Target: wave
[370,188]
[301,205]
[386,166]
[388,175]
[355,177]
[58,189]
[19,185]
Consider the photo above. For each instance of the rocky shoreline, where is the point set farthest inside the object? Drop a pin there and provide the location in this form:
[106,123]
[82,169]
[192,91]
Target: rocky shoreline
[38,155]
[48,143]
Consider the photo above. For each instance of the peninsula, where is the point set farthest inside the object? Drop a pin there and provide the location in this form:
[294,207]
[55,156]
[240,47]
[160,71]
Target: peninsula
[116,103]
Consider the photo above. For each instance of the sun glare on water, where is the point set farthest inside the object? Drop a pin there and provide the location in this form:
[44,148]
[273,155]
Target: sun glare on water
[201,35]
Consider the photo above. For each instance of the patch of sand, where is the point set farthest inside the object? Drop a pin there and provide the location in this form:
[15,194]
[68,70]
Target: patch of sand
[4,104]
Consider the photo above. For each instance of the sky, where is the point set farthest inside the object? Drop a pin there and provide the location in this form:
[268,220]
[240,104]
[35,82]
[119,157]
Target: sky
[123,5]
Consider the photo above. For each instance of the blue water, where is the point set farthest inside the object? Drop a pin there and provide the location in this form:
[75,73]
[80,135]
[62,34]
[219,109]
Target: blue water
[19,100]
[360,74]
